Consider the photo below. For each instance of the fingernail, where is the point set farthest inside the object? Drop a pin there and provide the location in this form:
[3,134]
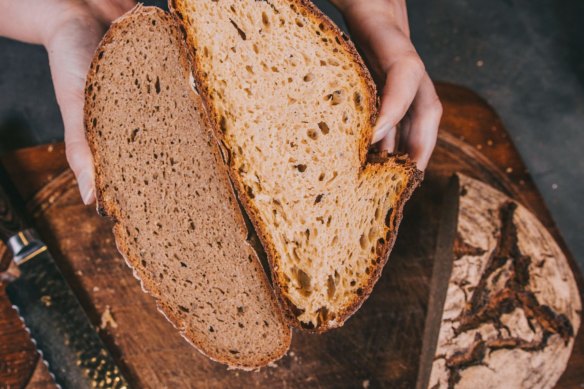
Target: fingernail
[380,132]
[85,182]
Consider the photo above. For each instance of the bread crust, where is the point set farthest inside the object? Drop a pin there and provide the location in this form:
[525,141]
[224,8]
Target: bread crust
[107,209]
[177,8]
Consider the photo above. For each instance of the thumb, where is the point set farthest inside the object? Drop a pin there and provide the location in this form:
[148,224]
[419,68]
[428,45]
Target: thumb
[70,51]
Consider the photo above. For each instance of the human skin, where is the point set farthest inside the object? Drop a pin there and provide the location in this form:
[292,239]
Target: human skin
[408,98]
[70,30]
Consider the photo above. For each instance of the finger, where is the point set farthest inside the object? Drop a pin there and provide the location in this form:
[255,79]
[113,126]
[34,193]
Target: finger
[70,53]
[426,112]
[109,10]
[402,83]
[389,141]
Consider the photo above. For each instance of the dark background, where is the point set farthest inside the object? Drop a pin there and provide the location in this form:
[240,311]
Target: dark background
[525,57]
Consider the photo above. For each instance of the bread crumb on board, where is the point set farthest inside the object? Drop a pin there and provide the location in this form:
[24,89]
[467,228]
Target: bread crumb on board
[107,319]
[365,384]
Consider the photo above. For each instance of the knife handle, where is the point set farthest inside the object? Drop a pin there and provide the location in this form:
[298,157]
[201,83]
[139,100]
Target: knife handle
[11,220]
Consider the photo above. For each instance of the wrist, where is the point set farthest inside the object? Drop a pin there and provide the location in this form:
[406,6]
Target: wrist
[343,5]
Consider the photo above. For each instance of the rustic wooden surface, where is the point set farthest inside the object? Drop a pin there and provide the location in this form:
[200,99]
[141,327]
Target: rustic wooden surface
[378,347]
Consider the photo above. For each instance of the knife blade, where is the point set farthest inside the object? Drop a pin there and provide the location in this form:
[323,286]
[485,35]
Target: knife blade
[68,342]
[441,271]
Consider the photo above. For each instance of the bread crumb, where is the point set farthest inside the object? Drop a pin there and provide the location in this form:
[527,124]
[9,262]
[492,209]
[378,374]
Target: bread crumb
[554,186]
[509,170]
[480,63]
[479,147]
[50,148]
[79,273]
[107,319]
[490,142]
[46,300]
[96,288]
[365,384]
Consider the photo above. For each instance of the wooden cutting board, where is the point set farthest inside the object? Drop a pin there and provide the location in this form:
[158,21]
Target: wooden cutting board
[378,347]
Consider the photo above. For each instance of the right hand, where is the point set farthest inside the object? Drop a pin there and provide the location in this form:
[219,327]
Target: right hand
[408,97]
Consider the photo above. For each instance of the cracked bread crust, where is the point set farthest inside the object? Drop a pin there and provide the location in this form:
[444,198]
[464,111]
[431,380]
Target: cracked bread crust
[513,308]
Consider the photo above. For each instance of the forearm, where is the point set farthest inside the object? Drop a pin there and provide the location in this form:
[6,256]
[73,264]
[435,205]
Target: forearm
[34,21]
[385,13]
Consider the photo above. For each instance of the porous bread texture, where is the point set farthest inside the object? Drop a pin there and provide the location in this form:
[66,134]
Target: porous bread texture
[294,106]
[159,175]
[513,308]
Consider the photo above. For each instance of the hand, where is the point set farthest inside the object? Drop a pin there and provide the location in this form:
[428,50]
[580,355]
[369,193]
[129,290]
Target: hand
[409,99]
[70,30]
[71,45]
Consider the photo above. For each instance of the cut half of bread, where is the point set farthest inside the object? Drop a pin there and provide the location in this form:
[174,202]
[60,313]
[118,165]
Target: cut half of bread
[294,105]
[159,175]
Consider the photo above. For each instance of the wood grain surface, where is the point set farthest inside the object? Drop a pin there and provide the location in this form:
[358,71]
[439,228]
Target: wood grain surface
[378,347]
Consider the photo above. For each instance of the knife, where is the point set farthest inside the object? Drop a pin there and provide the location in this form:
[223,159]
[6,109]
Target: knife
[61,330]
[441,271]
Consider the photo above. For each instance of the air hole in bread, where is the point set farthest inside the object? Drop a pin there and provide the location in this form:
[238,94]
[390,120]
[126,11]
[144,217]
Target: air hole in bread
[250,192]
[357,98]
[303,281]
[333,62]
[241,33]
[301,168]
[324,128]
[322,315]
[134,134]
[265,20]
[157,85]
[330,287]
[223,124]
[335,98]
[363,242]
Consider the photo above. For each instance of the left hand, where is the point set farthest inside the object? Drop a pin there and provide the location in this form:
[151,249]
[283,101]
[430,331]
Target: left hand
[409,99]
[70,30]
